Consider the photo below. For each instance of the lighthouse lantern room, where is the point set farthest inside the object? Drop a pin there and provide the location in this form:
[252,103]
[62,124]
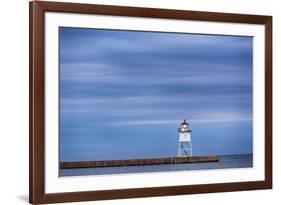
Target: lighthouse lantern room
[185,147]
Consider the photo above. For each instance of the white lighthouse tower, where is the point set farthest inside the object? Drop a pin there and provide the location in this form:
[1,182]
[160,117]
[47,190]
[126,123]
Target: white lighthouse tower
[185,148]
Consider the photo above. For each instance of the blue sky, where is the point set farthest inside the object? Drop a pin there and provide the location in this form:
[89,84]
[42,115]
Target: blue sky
[123,94]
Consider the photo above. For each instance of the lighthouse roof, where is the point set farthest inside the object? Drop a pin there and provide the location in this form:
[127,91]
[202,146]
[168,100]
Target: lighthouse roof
[184,122]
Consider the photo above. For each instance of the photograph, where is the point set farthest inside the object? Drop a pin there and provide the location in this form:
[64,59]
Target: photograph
[133,101]
[128,102]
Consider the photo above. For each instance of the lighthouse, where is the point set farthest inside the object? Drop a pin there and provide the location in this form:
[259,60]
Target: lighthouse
[185,147]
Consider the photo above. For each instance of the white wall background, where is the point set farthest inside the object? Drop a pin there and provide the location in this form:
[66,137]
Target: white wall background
[14,100]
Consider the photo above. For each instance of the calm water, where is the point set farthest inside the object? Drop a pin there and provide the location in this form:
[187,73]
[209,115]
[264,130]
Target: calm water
[226,161]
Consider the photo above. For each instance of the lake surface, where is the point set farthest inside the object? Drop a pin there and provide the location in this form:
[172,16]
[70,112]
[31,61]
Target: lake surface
[226,161]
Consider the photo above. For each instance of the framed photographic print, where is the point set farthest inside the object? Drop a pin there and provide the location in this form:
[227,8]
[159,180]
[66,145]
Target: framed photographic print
[138,102]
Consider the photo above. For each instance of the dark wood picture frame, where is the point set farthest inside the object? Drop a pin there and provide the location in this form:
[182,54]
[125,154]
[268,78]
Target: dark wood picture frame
[37,193]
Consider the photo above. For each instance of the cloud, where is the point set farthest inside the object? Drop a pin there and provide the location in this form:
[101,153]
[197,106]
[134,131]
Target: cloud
[97,42]
[193,117]
[177,122]
[95,73]
[190,98]
[144,122]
